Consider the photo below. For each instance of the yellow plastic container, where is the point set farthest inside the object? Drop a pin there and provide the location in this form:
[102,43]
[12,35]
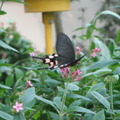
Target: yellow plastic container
[47,5]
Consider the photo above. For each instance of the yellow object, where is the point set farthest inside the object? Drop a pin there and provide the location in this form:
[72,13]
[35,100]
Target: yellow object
[47,5]
[48,19]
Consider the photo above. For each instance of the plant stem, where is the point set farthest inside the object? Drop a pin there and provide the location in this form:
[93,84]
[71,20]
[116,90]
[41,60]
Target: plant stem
[1,5]
[111,98]
[63,102]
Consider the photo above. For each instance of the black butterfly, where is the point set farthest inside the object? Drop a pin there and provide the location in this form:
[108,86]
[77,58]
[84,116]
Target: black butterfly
[65,55]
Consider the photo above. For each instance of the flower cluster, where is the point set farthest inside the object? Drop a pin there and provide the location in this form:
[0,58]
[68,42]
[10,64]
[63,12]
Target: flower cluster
[95,51]
[75,75]
[111,79]
[65,72]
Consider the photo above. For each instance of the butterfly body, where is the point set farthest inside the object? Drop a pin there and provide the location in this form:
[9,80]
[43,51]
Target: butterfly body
[65,55]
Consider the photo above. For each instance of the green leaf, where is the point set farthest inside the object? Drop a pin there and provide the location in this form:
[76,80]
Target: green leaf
[91,27]
[101,64]
[101,99]
[54,116]
[4,69]
[57,102]
[19,73]
[75,103]
[4,86]
[112,46]
[29,105]
[90,30]
[2,12]
[5,64]
[80,28]
[117,71]
[118,37]
[71,95]
[98,72]
[88,116]
[99,116]
[79,109]
[72,87]
[105,53]
[96,87]
[52,82]
[4,45]
[17,83]
[5,116]
[107,12]
[46,101]
[33,67]
[28,96]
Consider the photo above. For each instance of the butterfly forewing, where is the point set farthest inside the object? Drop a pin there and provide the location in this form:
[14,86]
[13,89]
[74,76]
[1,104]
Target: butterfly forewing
[65,49]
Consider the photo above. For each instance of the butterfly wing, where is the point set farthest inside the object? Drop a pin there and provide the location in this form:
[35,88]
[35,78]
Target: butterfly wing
[65,54]
[65,49]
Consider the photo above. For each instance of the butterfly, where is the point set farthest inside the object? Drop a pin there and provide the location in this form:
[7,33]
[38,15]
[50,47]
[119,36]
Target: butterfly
[65,55]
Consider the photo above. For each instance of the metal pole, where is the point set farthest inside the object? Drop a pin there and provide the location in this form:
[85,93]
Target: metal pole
[48,19]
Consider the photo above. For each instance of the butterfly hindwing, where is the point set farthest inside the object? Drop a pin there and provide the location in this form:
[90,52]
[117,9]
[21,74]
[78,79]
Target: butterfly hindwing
[65,49]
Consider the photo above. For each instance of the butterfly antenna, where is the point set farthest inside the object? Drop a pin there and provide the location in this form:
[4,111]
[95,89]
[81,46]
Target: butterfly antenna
[81,57]
[38,57]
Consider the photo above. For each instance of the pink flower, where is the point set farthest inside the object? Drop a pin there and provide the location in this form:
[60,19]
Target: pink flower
[18,106]
[78,50]
[78,78]
[76,73]
[65,72]
[93,54]
[96,50]
[29,83]
[32,54]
